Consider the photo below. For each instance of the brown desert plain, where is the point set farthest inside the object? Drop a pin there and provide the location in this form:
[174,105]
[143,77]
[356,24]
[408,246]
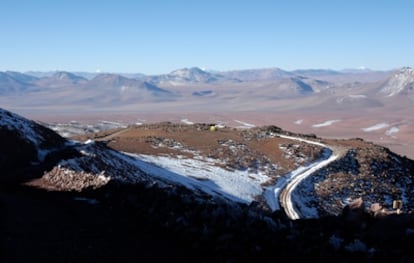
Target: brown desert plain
[332,125]
[376,106]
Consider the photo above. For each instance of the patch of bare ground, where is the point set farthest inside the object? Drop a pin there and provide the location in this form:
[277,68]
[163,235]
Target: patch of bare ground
[232,148]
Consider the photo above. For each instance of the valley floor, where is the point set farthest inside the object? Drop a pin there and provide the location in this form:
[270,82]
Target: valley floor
[392,129]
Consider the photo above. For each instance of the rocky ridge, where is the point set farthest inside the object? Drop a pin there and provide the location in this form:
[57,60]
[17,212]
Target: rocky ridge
[370,172]
[95,208]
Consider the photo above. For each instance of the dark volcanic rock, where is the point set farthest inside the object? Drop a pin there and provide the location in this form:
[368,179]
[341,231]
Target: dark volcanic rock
[24,146]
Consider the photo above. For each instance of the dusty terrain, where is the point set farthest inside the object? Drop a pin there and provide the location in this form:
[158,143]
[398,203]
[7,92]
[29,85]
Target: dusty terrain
[346,125]
[58,205]
[239,148]
[363,169]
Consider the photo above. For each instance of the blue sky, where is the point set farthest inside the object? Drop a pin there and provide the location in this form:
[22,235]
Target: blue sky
[154,36]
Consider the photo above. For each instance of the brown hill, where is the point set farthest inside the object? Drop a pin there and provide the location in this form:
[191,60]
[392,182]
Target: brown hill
[133,220]
[365,170]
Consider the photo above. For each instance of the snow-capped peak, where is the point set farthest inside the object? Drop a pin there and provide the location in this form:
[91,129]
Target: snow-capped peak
[407,69]
[193,74]
[187,72]
[400,82]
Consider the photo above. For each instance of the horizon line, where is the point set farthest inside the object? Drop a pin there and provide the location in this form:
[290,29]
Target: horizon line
[362,69]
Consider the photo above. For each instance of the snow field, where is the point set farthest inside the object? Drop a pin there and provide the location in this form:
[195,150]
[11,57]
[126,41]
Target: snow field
[203,174]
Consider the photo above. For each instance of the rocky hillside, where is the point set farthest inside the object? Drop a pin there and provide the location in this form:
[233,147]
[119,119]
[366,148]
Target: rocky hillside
[84,201]
[400,83]
[24,145]
[363,170]
[38,156]
[366,171]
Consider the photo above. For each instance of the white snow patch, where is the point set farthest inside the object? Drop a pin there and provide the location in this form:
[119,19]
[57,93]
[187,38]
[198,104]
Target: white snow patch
[104,178]
[292,179]
[301,200]
[301,140]
[245,124]
[202,174]
[392,131]
[357,96]
[124,88]
[140,122]
[350,98]
[272,194]
[86,153]
[299,122]
[89,141]
[324,124]
[375,127]
[112,124]
[221,126]
[186,121]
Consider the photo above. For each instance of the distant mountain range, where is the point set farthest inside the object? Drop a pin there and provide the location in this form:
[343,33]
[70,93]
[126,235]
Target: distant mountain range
[188,85]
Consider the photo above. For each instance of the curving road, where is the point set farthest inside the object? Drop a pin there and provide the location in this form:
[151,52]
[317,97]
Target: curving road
[281,192]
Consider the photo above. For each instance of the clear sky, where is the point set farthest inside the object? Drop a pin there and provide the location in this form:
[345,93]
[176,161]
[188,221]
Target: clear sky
[154,36]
